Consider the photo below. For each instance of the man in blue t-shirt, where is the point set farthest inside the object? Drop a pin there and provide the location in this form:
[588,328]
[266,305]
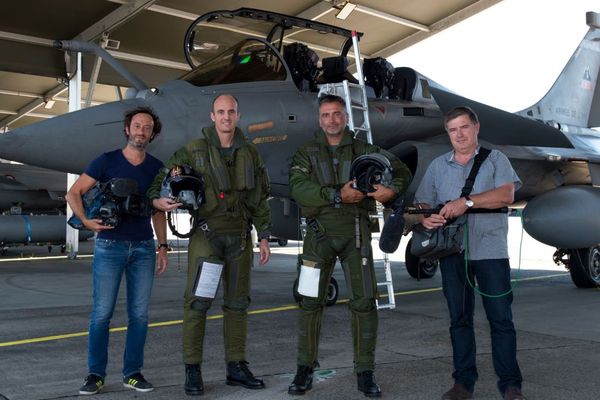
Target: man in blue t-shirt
[126,248]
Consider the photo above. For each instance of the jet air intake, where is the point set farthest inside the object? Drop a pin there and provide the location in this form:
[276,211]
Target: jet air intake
[566,217]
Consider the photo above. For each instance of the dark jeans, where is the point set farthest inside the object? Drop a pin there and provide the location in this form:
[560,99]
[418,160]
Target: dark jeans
[112,259]
[493,278]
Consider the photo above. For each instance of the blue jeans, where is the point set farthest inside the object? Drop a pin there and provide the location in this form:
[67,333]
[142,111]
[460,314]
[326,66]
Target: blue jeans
[493,278]
[111,259]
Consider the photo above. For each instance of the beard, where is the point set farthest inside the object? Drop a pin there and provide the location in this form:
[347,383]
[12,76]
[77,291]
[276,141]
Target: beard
[140,145]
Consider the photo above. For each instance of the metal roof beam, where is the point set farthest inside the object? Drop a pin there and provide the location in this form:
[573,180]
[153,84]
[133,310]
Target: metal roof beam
[26,109]
[317,11]
[116,18]
[19,93]
[31,114]
[164,10]
[392,18]
[116,54]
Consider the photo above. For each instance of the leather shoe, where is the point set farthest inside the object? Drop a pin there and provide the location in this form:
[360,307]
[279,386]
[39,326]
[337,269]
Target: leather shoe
[367,385]
[302,381]
[458,392]
[513,393]
[193,380]
[238,374]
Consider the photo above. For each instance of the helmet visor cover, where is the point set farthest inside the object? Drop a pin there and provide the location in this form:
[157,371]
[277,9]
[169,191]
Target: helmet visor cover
[369,170]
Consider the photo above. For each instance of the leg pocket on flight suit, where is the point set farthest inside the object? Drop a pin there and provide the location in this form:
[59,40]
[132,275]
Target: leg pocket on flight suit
[206,282]
[360,280]
[312,279]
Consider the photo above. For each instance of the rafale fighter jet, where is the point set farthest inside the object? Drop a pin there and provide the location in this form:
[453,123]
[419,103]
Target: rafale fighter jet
[270,62]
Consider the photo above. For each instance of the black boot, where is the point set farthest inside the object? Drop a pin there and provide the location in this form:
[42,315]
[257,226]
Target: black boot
[193,380]
[367,385]
[238,374]
[302,381]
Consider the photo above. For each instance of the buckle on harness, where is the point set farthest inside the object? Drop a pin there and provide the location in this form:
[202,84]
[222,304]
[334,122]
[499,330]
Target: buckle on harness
[203,225]
[314,226]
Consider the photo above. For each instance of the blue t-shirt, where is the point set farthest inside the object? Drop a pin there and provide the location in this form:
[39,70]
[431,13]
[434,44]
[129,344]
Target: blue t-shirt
[114,165]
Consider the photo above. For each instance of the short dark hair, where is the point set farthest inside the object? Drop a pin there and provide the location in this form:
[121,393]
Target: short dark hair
[458,111]
[237,103]
[331,98]
[156,128]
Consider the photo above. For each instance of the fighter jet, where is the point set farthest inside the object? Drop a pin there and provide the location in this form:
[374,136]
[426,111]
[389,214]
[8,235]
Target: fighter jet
[274,64]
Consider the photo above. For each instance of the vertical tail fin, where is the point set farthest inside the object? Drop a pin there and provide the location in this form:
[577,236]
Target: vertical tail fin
[574,99]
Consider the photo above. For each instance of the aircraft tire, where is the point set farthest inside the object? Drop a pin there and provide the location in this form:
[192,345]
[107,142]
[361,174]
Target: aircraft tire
[282,242]
[584,266]
[419,269]
[332,292]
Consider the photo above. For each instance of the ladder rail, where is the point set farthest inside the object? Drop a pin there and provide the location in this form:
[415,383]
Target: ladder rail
[361,80]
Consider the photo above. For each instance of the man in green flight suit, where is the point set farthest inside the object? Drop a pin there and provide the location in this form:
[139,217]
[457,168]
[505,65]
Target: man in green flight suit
[337,217]
[236,190]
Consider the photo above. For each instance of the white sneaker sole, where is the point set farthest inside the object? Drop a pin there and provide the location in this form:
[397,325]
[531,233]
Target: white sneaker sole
[84,393]
[127,385]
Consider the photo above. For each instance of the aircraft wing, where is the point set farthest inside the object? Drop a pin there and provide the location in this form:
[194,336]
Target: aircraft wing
[504,128]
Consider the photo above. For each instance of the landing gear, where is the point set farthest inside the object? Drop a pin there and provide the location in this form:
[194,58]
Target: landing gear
[417,268]
[63,249]
[584,266]
[332,292]
[282,242]
[3,251]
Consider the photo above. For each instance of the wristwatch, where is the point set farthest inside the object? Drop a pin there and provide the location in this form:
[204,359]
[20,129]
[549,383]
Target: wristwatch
[337,198]
[165,245]
[468,202]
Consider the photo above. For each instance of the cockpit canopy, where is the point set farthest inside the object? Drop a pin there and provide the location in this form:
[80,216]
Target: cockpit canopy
[246,45]
[250,60]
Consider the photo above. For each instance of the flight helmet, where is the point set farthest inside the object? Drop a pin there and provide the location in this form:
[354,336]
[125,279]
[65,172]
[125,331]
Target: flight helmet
[371,169]
[185,186]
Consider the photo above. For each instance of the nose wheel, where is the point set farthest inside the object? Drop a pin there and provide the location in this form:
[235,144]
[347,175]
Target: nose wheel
[584,267]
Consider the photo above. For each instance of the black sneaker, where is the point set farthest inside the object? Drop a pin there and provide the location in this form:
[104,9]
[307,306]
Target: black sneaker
[93,384]
[137,382]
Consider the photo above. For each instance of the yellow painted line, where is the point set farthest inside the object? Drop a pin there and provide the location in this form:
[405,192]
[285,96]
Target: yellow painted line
[220,316]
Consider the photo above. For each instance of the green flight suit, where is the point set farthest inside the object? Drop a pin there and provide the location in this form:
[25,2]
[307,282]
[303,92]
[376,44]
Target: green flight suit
[343,232]
[236,191]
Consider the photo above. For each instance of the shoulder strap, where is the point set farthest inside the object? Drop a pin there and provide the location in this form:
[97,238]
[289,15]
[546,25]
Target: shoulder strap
[479,159]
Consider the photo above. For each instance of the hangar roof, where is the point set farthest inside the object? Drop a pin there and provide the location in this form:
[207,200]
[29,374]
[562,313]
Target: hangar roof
[147,37]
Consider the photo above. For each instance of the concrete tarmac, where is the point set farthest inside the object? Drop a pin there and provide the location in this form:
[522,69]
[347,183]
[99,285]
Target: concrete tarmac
[45,305]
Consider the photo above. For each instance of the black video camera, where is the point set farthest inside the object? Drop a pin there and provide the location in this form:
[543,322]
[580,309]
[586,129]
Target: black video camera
[108,202]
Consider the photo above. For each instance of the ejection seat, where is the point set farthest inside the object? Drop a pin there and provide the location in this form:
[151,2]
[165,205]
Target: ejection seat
[302,63]
[335,70]
[405,80]
[379,75]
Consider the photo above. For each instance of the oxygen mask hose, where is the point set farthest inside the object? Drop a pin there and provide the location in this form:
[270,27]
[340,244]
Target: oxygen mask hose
[514,281]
